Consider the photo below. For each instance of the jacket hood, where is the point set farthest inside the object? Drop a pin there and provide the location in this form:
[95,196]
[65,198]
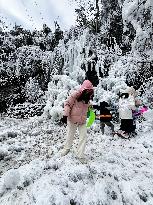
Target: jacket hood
[86,85]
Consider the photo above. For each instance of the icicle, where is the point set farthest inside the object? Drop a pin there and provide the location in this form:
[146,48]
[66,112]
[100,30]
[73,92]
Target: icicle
[97,69]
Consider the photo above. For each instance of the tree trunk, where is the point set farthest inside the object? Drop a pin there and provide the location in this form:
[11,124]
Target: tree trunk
[97,16]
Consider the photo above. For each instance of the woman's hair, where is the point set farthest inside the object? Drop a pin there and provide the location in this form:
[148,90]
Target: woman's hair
[86,95]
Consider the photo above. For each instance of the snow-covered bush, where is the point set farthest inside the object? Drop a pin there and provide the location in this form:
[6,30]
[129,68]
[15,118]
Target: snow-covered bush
[147,92]
[32,90]
[138,14]
[3,152]
[146,124]
[26,110]
[149,116]
[58,91]
[56,113]
[11,179]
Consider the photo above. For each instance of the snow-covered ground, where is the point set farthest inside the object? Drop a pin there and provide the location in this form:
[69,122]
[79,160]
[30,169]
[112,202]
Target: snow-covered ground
[118,171]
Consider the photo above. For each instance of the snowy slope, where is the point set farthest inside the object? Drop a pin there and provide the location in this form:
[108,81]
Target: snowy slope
[118,171]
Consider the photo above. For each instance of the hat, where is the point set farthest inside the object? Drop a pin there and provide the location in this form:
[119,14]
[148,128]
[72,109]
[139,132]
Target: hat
[130,90]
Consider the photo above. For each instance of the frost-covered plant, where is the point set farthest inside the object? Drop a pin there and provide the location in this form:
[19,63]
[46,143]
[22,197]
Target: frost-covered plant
[58,91]
[147,92]
[32,90]
[56,113]
[138,14]
[11,179]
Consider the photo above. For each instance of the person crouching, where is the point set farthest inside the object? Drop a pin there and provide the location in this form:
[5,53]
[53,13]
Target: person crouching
[105,116]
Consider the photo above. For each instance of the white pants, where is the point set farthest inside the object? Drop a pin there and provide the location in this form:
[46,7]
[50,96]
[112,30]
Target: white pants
[71,130]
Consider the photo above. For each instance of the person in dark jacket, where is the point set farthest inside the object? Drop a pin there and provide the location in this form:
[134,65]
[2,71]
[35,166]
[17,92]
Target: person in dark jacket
[105,116]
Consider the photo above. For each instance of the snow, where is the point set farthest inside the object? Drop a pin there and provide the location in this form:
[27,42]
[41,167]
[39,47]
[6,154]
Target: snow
[118,171]
[3,152]
[11,179]
[148,115]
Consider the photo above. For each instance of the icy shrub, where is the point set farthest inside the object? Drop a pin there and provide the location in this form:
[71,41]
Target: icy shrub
[11,179]
[12,134]
[25,110]
[57,93]
[3,136]
[32,90]
[78,74]
[147,89]
[145,123]
[148,115]
[56,113]
[124,71]
[138,15]
[3,153]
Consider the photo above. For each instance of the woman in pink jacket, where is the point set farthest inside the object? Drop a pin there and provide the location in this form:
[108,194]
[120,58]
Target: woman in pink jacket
[75,114]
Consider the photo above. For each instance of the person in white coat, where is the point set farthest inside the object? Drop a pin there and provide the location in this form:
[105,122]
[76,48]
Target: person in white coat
[126,105]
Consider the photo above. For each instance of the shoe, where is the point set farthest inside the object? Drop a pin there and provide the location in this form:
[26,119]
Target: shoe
[83,160]
[119,131]
[64,152]
[113,133]
[125,135]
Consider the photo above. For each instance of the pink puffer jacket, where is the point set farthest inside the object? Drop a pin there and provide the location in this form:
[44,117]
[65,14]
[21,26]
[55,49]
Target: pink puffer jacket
[77,111]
